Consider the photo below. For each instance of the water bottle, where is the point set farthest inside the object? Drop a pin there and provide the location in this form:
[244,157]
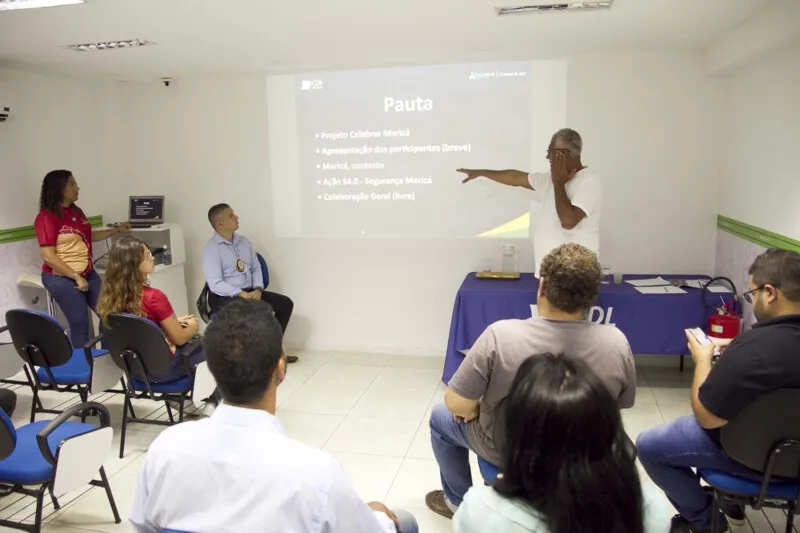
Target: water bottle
[508,262]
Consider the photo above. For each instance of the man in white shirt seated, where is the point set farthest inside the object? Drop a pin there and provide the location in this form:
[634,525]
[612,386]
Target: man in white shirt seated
[569,199]
[237,471]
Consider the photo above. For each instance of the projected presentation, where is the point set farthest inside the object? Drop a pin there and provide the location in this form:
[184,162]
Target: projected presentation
[374,153]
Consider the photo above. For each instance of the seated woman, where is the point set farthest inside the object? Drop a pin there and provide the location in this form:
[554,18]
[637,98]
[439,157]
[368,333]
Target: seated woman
[126,290]
[569,467]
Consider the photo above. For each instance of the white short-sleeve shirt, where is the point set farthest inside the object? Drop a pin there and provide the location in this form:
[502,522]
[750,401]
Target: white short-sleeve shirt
[586,193]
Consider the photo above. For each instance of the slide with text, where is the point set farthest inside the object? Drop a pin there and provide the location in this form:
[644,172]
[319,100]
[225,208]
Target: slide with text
[374,153]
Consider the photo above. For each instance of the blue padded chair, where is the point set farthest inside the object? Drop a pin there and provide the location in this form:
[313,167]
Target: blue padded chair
[765,438]
[51,362]
[264,269]
[139,347]
[55,456]
[489,472]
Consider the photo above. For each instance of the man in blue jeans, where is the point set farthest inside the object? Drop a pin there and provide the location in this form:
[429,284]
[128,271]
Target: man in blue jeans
[759,361]
[472,413]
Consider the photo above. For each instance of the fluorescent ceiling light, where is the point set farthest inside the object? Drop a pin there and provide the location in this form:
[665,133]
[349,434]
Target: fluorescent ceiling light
[8,5]
[109,45]
[552,7]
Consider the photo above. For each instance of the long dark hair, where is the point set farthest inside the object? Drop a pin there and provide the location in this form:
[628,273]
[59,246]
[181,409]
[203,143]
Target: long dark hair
[566,453]
[52,194]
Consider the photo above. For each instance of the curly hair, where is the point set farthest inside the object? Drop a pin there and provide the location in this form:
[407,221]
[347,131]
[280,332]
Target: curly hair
[123,284]
[52,193]
[572,277]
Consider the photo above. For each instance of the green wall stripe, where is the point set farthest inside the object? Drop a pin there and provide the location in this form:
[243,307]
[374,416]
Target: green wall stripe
[767,239]
[23,233]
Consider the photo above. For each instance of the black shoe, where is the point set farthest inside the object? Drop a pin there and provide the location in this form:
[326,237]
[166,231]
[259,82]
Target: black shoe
[291,358]
[681,525]
[734,512]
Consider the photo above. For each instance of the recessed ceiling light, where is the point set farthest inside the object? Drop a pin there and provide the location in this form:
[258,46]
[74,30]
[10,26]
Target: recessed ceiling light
[8,5]
[108,45]
[552,7]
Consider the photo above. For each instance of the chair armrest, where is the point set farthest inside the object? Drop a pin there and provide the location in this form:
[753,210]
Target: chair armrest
[188,349]
[87,348]
[90,408]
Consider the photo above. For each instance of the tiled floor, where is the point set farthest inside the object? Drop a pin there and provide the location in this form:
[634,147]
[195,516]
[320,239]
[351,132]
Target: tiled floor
[369,411]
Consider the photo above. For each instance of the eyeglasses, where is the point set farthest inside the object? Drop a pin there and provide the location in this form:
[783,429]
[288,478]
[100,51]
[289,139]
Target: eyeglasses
[748,296]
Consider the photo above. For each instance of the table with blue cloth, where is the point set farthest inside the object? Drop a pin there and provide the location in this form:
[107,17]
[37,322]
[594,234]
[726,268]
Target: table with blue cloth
[653,323]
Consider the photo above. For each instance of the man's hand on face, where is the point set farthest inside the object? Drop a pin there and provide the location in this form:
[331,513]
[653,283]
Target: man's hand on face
[559,172]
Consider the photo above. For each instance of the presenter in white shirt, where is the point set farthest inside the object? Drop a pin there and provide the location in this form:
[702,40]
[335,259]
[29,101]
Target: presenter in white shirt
[238,471]
[569,199]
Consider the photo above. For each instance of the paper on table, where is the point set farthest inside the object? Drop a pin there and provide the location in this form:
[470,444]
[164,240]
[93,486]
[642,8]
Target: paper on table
[718,289]
[661,290]
[651,282]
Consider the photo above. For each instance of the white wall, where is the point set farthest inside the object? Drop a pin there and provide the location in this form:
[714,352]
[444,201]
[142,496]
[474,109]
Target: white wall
[761,185]
[204,141]
[55,123]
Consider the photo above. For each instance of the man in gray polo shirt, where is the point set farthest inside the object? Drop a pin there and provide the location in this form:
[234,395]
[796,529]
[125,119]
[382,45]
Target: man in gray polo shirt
[472,414]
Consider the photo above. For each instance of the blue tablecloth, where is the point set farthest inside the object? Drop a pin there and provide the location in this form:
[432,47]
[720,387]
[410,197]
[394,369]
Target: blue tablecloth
[653,323]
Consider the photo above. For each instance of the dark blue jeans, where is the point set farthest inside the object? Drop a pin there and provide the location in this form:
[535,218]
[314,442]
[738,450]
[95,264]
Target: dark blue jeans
[75,304]
[451,448]
[668,454]
[177,369]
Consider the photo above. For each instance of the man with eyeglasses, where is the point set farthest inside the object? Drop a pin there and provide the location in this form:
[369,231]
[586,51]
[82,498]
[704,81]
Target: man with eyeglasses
[759,361]
[569,199]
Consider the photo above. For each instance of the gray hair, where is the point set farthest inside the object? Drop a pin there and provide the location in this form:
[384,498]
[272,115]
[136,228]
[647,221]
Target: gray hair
[571,138]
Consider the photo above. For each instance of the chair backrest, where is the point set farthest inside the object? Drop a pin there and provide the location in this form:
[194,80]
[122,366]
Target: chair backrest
[767,423]
[38,338]
[203,309]
[8,435]
[264,269]
[137,345]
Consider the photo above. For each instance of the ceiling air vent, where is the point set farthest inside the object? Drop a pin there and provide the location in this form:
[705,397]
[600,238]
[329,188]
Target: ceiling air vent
[552,8]
[109,45]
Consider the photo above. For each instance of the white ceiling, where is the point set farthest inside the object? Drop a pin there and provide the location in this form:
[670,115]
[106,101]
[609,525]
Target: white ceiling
[237,36]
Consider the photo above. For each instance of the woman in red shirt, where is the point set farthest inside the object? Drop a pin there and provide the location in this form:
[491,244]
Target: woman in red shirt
[126,290]
[65,244]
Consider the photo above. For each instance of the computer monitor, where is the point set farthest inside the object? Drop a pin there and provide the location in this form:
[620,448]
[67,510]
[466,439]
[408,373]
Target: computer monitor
[147,209]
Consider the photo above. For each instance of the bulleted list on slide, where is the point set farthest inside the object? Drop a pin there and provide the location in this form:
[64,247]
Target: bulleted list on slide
[378,151]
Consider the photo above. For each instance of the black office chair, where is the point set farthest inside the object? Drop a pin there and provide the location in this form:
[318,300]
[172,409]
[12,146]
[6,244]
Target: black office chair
[765,438]
[203,307]
[51,362]
[139,347]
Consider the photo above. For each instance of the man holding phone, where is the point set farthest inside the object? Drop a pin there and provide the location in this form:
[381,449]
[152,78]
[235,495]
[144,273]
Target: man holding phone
[759,361]
[569,198]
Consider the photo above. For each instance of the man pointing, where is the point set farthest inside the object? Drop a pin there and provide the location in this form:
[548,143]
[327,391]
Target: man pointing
[569,198]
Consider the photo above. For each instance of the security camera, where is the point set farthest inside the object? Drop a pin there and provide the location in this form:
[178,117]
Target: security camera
[166,81]
[4,112]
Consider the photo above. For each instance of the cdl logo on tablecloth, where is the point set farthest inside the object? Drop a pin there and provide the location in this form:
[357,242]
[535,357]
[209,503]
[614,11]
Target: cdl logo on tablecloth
[597,314]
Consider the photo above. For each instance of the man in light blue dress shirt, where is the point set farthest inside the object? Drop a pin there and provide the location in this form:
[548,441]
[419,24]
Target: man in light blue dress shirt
[232,269]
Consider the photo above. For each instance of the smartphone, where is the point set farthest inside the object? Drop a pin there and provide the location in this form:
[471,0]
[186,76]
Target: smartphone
[702,338]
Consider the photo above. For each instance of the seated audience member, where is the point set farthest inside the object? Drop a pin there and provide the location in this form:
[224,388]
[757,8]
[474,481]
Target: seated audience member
[759,361]
[126,290]
[568,465]
[474,400]
[232,269]
[237,471]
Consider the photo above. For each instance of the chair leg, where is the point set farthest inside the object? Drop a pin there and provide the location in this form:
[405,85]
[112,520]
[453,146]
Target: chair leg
[37,523]
[169,412]
[111,502]
[180,408]
[56,505]
[790,516]
[84,395]
[716,526]
[124,426]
